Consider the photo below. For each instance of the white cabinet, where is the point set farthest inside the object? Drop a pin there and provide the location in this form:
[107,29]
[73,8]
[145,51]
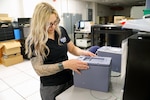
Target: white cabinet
[83,42]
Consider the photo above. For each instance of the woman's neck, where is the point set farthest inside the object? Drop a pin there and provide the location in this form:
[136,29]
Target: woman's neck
[51,35]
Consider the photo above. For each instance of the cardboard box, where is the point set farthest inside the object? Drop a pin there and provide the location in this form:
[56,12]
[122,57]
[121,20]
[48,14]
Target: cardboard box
[12,59]
[5,18]
[10,47]
[118,19]
[3,15]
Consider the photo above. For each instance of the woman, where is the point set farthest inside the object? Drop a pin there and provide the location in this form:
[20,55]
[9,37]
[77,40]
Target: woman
[47,46]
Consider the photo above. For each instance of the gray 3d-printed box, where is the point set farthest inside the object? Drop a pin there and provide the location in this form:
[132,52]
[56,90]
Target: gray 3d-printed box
[97,77]
[113,52]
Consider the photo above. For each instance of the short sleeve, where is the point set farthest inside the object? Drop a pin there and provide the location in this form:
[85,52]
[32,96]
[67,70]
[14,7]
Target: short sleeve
[64,35]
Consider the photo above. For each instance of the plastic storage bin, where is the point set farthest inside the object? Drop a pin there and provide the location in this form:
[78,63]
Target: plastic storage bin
[17,34]
[6,33]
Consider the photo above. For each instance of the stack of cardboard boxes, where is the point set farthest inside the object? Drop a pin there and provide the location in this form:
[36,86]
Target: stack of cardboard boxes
[5,18]
[10,52]
[118,19]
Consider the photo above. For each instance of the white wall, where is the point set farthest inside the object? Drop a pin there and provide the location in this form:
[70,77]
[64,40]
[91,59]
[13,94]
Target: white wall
[11,7]
[28,7]
[94,6]
[25,8]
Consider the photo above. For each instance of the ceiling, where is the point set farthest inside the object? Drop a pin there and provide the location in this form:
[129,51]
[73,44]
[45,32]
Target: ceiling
[123,3]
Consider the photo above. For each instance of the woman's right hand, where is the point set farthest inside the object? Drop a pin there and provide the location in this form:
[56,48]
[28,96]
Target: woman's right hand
[75,65]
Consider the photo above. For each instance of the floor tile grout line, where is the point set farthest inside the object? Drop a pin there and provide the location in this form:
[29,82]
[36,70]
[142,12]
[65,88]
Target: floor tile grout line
[32,94]
[25,73]
[13,89]
[29,75]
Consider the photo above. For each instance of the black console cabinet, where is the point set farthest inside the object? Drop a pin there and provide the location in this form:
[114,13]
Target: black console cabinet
[137,81]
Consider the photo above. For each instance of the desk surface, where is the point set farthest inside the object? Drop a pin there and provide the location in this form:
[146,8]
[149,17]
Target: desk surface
[110,25]
[82,31]
[76,93]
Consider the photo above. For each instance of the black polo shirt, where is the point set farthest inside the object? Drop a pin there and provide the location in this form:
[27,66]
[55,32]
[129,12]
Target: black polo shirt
[58,53]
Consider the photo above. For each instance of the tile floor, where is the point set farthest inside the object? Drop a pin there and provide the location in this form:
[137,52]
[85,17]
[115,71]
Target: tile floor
[20,82]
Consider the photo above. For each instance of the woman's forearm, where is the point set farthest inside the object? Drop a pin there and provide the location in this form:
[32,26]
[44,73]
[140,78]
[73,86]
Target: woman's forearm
[44,69]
